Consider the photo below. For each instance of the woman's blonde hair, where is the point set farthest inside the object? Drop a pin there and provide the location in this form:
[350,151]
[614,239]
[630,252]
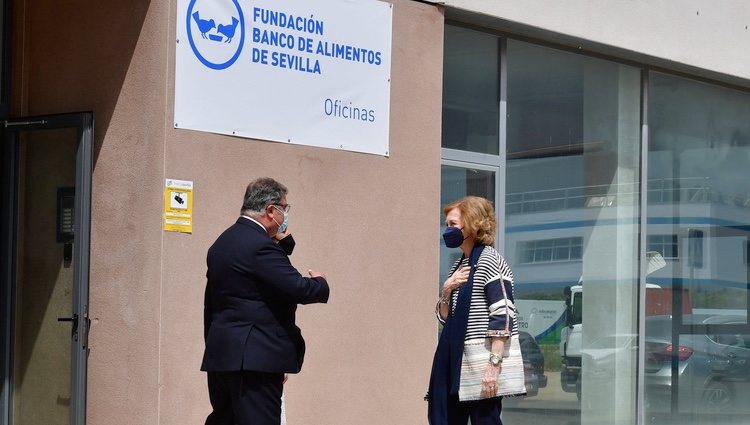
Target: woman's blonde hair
[479,218]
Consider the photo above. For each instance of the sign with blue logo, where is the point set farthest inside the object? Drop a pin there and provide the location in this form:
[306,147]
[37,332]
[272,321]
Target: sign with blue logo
[313,73]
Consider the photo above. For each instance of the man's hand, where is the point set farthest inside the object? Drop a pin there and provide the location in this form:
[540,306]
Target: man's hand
[313,273]
[279,236]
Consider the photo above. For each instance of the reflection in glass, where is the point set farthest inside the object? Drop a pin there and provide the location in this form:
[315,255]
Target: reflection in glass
[470,91]
[458,182]
[572,228]
[43,288]
[698,365]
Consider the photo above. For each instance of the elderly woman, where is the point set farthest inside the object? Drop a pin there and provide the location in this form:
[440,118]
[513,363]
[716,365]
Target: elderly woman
[478,316]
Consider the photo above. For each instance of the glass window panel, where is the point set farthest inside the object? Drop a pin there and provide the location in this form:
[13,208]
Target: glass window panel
[548,250]
[573,139]
[527,256]
[671,252]
[44,282]
[543,254]
[665,245]
[575,253]
[545,244]
[560,254]
[457,182]
[471,91]
[699,150]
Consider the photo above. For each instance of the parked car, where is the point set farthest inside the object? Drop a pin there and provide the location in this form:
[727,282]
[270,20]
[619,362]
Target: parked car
[533,364]
[713,368]
[600,360]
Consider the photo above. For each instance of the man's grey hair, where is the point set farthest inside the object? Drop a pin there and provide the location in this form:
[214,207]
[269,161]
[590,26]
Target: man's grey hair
[262,192]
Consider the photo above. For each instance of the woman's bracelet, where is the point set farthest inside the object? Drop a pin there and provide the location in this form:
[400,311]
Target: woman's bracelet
[444,300]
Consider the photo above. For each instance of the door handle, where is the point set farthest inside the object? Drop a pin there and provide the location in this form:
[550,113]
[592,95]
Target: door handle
[74,319]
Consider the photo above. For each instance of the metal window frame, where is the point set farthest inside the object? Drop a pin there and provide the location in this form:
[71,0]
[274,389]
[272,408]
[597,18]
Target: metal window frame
[468,164]
[640,395]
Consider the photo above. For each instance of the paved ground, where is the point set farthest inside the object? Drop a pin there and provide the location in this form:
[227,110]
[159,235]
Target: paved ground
[552,406]
[550,397]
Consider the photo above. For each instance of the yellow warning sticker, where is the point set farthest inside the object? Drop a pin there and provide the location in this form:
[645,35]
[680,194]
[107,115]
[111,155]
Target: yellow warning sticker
[178,206]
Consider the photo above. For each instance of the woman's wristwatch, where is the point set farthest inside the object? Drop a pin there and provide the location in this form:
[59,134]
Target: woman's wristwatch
[496,359]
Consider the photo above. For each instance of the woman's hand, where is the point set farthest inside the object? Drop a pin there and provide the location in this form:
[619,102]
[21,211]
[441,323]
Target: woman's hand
[454,281]
[458,278]
[489,382]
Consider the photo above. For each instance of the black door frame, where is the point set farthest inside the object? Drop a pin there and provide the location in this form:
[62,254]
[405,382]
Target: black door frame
[84,123]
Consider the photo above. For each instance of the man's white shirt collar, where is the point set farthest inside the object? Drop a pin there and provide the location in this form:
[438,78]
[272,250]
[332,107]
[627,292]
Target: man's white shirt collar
[254,221]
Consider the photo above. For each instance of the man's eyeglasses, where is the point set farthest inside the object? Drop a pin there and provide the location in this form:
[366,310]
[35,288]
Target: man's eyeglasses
[285,208]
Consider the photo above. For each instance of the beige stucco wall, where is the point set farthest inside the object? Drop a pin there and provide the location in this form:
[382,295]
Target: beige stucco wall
[369,222]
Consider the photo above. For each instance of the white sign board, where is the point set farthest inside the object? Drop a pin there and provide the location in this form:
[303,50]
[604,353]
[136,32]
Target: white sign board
[540,317]
[314,73]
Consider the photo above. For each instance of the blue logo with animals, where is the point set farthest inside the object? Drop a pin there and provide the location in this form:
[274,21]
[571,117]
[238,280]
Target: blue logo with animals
[216,31]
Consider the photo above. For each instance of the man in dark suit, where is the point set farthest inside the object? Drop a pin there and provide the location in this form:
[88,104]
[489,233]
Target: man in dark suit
[251,299]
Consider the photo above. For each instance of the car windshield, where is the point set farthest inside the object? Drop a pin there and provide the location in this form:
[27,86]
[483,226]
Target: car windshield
[576,309]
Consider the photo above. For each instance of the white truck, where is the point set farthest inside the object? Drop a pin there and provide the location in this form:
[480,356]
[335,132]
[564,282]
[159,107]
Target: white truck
[570,340]
[657,302]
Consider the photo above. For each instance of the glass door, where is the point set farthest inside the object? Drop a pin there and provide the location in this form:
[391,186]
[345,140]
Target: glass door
[45,284]
[459,180]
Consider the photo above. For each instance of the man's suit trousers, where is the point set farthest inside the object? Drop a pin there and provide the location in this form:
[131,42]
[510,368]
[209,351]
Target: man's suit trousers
[245,398]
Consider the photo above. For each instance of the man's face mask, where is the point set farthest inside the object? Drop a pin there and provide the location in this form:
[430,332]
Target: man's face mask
[284,224]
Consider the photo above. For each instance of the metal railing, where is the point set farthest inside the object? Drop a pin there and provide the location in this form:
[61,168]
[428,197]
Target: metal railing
[660,191]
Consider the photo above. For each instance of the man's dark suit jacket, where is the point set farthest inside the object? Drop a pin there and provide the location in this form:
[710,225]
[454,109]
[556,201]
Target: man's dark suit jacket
[250,303]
